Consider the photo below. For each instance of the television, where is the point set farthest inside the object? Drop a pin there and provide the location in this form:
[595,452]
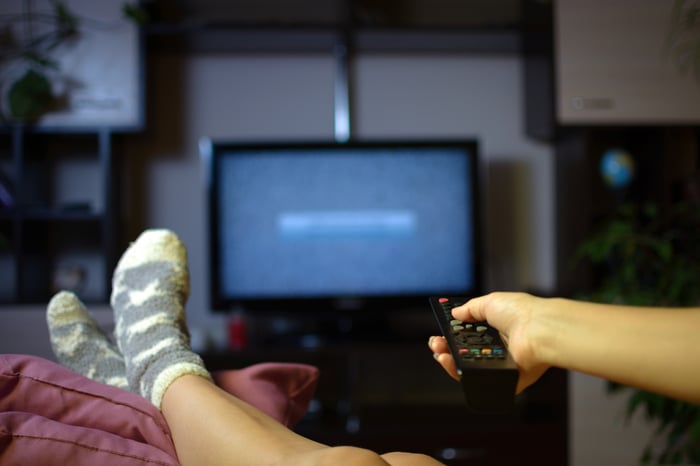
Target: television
[341,229]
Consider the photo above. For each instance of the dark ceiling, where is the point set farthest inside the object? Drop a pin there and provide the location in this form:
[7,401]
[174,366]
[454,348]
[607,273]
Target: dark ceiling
[359,13]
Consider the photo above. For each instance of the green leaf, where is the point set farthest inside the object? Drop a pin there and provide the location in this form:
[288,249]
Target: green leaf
[135,13]
[694,431]
[30,96]
[65,19]
[41,60]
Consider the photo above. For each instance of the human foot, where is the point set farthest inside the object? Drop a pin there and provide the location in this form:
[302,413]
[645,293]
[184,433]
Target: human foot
[80,344]
[149,290]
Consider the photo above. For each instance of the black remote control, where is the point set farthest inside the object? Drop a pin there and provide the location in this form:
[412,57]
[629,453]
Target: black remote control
[487,371]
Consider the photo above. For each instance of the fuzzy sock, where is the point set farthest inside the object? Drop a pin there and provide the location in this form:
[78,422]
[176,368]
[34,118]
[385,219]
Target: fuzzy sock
[80,344]
[149,290]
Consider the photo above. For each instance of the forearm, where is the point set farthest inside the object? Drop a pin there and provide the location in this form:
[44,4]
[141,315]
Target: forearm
[650,348]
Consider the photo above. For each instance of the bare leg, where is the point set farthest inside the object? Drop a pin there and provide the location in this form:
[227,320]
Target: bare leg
[210,426]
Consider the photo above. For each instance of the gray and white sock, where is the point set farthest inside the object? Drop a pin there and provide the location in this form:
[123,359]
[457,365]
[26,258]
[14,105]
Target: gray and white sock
[80,344]
[149,290]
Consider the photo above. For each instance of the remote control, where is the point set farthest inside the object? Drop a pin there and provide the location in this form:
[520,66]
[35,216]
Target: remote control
[487,371]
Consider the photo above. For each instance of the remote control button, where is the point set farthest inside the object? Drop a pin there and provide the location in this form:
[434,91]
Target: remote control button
[455,322]
[443,300]
[481,328]
[465,354]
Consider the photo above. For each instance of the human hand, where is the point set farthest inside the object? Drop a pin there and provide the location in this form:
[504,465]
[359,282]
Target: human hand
[514,315]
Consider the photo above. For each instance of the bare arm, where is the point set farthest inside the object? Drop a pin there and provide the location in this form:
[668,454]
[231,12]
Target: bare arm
[651,348]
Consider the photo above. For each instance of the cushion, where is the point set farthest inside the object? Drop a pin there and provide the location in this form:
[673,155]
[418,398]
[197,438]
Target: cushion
[281,390]
[51,415]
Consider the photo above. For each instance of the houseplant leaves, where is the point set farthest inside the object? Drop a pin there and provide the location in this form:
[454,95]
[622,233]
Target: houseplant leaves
[29,96]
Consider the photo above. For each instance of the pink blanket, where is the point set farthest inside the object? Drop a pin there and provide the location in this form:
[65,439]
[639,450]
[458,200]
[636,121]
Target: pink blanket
[50,415]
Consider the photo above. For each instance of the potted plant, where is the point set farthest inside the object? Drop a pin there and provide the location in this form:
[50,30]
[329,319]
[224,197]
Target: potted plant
[649,256]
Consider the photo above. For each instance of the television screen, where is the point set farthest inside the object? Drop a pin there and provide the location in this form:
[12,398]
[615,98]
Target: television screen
[303,227]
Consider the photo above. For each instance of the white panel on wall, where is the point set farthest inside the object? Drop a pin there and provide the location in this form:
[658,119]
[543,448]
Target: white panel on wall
[617,62]
[98,77]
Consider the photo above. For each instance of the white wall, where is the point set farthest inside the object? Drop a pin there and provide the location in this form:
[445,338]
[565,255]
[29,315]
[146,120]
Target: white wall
[283,97]
[270,97]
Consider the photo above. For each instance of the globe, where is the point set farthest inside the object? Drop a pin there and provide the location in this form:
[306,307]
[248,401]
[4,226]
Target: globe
[617,168]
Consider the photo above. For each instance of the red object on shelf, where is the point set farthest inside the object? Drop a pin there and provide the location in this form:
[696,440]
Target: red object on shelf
[237,332]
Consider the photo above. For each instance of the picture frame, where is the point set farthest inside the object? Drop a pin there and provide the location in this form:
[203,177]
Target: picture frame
[98,76]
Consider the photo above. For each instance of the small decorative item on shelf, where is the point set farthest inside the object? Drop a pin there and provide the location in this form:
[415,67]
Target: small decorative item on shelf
[617,168]
[237,336]
[70,278]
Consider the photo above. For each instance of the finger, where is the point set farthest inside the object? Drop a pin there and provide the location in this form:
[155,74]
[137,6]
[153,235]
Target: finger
[447,363]
[472,310]
[438,344]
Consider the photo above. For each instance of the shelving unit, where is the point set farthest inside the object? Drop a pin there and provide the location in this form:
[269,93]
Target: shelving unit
[58,227]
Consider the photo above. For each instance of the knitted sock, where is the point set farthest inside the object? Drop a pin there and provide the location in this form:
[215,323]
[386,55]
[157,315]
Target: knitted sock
[80,344]
[149,290]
